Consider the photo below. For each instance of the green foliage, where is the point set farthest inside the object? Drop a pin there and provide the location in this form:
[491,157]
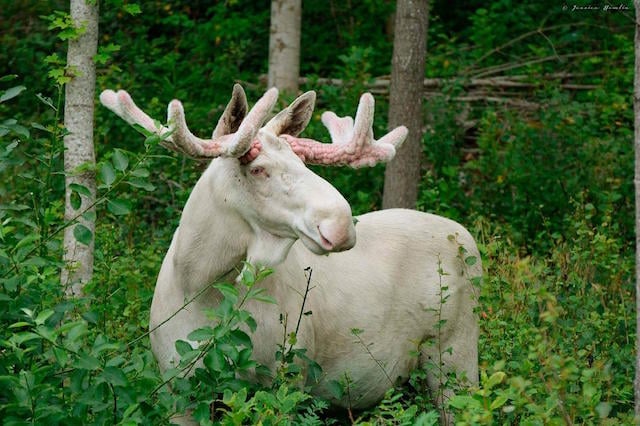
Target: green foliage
[547,191]
[555,332]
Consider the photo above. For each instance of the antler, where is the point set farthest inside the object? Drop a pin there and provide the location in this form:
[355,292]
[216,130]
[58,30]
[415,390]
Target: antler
[352,144]
[232,136]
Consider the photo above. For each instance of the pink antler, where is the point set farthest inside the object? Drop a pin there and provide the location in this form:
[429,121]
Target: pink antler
[232,136]
[352,144]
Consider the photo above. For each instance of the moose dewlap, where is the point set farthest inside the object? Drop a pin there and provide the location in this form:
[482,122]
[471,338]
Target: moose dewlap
[398,277]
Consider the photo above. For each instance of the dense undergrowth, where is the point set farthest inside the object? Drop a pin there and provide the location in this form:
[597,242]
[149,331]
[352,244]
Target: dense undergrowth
[547,191]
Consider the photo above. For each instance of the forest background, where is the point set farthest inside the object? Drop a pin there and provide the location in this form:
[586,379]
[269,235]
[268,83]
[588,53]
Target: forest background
[528,142]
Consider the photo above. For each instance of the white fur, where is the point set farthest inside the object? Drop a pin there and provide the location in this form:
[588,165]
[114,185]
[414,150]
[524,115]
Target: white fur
[258,202]
[387,285]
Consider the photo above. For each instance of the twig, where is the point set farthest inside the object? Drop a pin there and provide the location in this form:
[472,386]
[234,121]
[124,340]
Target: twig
[377,361]
[510,66]
[523,36]
[304,301]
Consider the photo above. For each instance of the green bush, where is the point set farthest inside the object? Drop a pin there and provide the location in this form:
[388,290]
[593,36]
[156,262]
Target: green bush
[548,192]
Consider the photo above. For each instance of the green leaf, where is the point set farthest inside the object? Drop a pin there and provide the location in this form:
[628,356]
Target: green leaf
[496,378]
[11,147]
[263,273]
[248,275]
[141,183]
[244,360]
[82,234]
[251,323]
[47,101]
[115,376]
[75,200]
[314,370]
[240,338]
[41,127]
[336,389]
[183,347]
[91,317]
[20,338]
[461,401]
[61,355]
[228,291]
[215,360]
[127,413]
[11,125]
[44,316]
[107,173]
[86,362]
[120,160]
[140,172]
[27,241]
[471,260]
[200,334]
[132,8]
[603,409]
[80,189]
[89,215]
[498,402]
[119,206]
[11,93]
[260,294]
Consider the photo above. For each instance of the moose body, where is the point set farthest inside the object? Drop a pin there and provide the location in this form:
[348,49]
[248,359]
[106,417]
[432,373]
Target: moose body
[397,276]
[388,285]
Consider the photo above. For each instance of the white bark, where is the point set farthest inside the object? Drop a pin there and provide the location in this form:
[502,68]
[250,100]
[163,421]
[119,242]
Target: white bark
[78,120]
[284,45]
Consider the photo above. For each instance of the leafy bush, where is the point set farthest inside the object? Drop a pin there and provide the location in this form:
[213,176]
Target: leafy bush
[547,191]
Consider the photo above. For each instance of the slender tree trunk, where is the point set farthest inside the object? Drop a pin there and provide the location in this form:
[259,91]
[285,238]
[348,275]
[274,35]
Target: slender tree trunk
[402,175]
[284,45]
[79,151]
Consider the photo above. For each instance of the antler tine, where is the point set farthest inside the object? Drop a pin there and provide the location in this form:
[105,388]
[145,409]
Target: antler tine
[122,105]
[179,138]
[249,127]
[352,142]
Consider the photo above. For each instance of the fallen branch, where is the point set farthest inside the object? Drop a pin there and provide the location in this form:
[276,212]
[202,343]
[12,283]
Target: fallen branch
[514,91]
[381,84]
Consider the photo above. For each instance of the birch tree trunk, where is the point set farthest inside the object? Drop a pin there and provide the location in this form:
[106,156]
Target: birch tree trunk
[405,102]
[79,151]
[284,45]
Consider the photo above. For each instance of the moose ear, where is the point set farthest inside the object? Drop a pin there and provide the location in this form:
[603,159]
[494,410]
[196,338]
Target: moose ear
[293,119]
[233,114]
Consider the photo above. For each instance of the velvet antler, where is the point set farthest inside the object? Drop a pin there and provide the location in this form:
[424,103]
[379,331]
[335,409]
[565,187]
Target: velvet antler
[352,143]
[232,136]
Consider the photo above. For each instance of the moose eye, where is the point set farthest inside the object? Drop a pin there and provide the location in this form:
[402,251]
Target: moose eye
[258,171]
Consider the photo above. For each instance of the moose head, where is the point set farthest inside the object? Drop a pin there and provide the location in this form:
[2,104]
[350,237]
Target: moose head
[260,173]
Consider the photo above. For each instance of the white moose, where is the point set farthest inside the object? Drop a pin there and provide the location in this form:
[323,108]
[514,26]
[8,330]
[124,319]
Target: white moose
[257,199]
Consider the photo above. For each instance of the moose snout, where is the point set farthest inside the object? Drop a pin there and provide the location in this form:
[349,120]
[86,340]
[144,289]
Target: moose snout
[337,234]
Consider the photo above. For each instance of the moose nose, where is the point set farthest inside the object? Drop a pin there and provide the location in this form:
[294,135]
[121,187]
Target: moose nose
[337,235]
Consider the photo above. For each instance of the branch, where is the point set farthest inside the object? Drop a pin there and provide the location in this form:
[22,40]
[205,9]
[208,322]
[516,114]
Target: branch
[510,66]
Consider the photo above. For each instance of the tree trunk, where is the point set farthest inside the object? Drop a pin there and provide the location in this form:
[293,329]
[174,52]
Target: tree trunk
[79,151]
[402,175]
[636,122]
[284,45]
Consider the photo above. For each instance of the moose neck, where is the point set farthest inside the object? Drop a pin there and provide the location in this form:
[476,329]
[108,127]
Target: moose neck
[214,239]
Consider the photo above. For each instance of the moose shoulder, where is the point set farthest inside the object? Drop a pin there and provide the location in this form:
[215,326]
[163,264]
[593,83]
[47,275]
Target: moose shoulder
[258,202]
